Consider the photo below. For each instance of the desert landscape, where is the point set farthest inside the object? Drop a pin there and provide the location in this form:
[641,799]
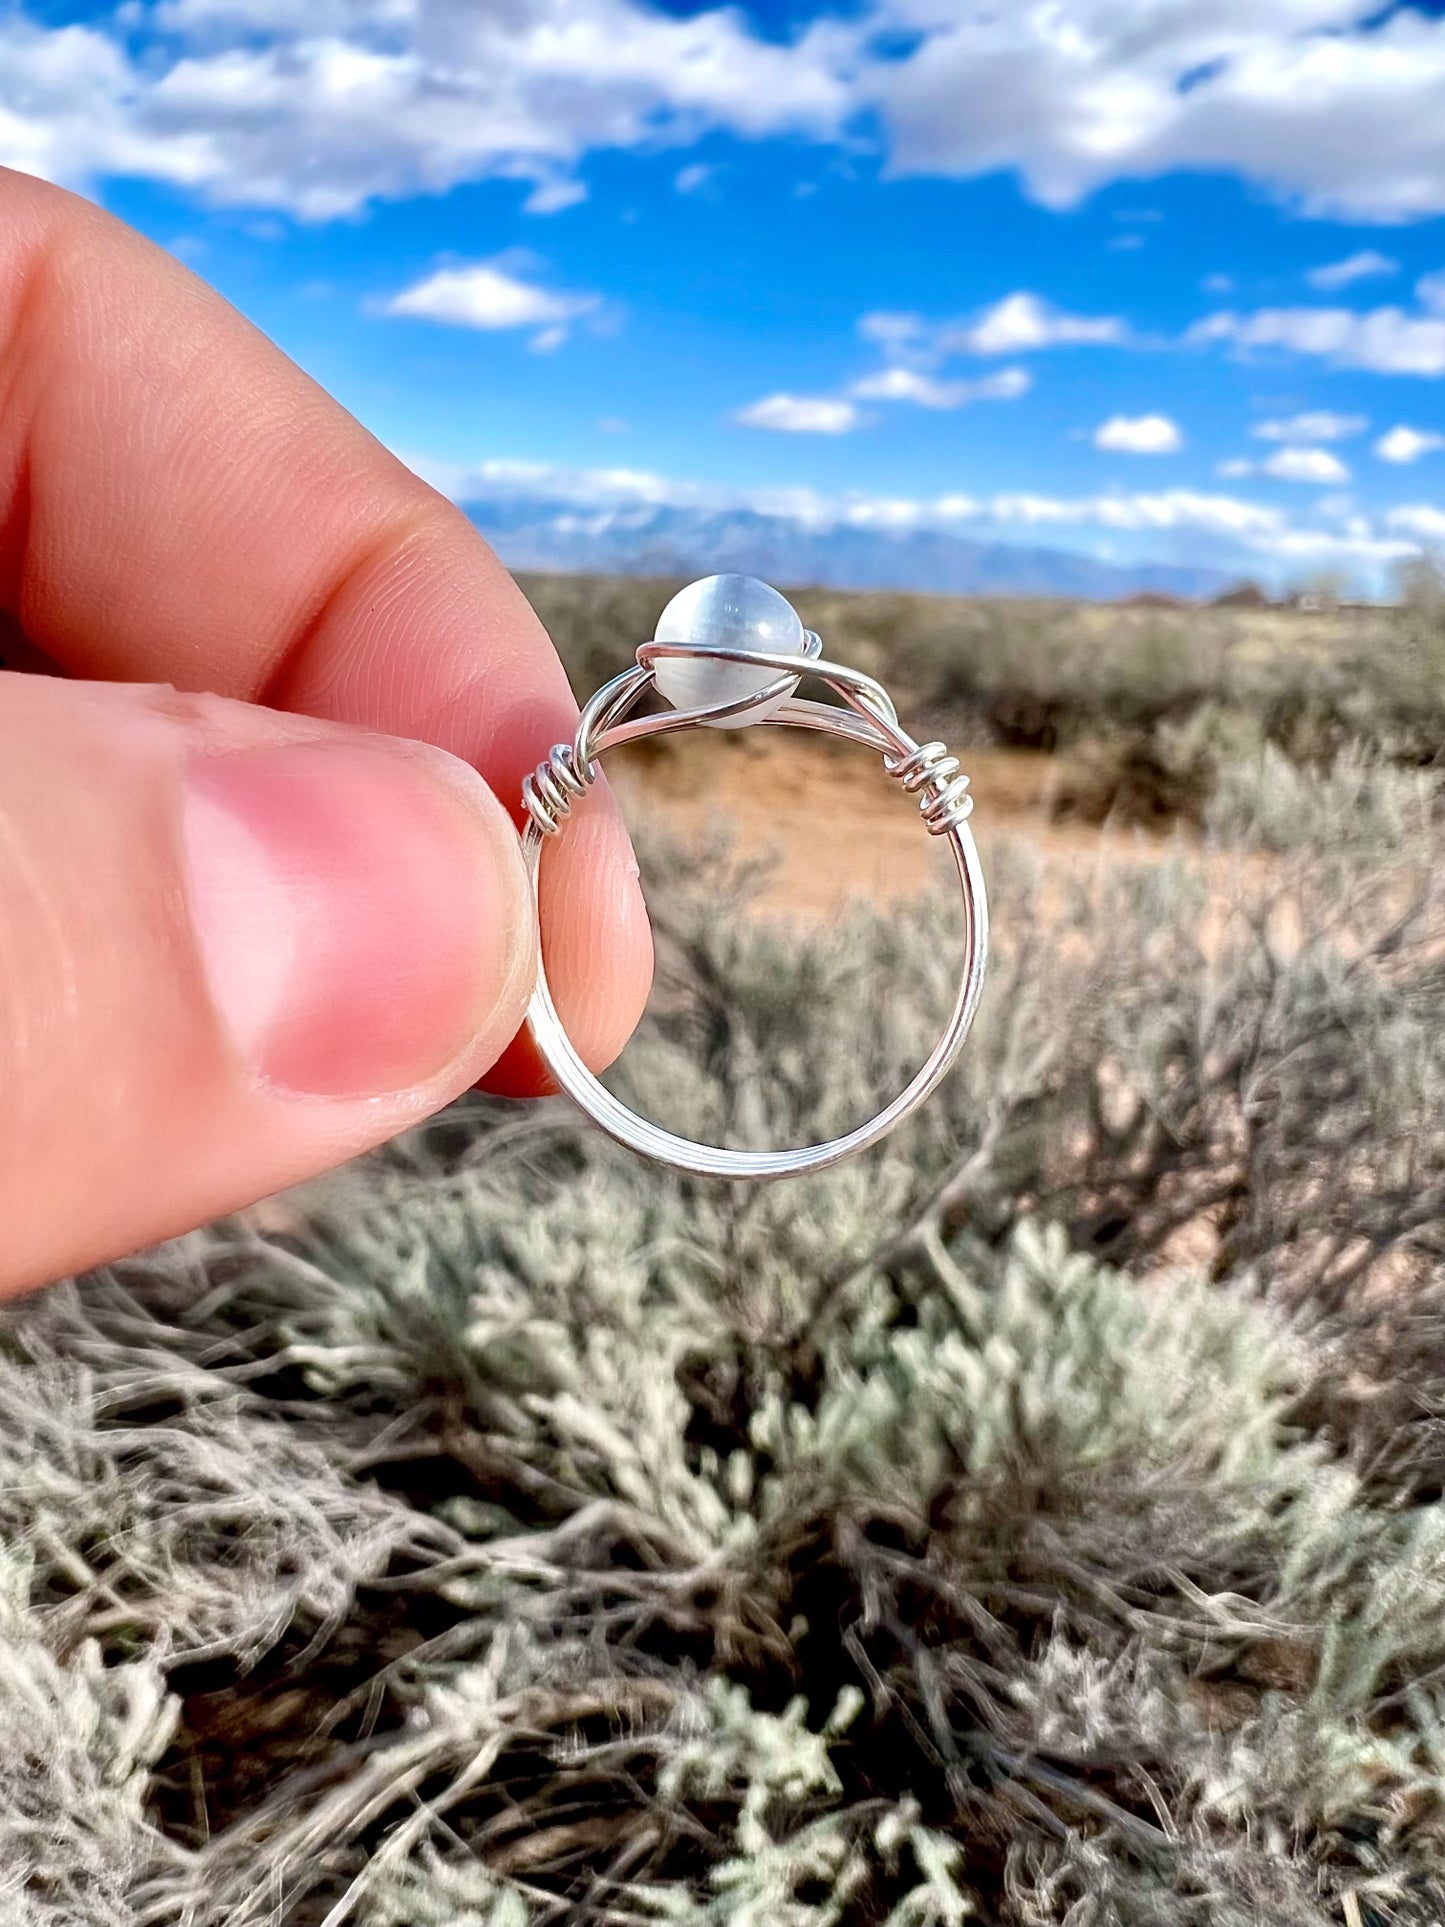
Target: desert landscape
[1144,731]
[1036,1521]
[1033,1516]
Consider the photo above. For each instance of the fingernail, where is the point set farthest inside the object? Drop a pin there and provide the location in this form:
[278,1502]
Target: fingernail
[356,909]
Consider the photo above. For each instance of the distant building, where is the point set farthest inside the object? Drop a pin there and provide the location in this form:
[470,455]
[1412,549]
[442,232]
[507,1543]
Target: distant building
[1153,599]
[1244,595]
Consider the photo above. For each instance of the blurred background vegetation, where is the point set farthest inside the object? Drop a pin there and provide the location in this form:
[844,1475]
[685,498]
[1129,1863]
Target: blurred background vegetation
[1038,1521]
[1154,707]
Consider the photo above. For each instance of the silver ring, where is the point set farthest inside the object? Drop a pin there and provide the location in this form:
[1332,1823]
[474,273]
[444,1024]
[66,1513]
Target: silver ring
[926,771]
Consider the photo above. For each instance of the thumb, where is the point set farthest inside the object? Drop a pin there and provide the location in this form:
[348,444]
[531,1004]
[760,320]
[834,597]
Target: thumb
[236,947]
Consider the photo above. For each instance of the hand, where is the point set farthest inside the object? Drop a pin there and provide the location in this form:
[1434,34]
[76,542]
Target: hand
[242,937]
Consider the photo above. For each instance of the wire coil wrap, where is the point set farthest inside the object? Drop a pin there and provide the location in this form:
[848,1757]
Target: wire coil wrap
[549,793]
[935,777]
[866,715]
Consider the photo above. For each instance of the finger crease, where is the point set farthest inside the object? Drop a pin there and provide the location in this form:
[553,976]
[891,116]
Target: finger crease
[383,548]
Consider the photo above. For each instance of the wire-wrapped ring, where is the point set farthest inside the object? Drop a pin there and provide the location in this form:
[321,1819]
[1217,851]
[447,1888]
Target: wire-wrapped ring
[925,770]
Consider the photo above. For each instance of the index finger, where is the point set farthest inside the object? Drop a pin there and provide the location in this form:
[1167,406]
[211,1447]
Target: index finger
[180,503]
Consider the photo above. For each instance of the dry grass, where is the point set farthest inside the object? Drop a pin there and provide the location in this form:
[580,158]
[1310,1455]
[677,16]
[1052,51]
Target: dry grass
[1037,1521]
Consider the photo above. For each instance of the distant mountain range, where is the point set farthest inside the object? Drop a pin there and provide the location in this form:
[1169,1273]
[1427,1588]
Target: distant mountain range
[536,533]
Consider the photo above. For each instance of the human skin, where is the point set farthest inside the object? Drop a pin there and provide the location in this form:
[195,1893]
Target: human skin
[261,898]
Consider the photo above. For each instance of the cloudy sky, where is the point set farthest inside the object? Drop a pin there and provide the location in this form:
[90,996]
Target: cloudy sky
[1145,278]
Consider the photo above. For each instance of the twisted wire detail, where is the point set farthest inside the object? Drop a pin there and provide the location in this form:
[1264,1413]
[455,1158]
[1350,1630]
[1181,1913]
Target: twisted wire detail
[865,716]
[549,793]
[935,777]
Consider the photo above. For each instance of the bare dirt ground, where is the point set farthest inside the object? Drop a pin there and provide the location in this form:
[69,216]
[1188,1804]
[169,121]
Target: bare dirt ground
[837,826]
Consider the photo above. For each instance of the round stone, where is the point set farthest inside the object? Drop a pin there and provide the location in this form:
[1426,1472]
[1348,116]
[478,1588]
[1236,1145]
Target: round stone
[726,612]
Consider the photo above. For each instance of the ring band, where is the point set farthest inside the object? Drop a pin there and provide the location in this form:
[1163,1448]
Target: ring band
[926,771]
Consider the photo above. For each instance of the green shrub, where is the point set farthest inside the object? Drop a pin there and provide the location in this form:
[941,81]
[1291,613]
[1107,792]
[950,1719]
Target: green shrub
[1125,688]
[1360,802]
[1036,1521]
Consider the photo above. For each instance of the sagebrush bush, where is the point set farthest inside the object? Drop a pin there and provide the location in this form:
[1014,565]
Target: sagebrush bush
[1360,801]
[1037,1521]
[1051,675]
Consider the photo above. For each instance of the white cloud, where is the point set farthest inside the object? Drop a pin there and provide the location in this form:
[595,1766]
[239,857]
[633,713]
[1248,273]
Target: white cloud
[1387,340]
[1289,464]
[1240,527]
[1403,444]
[486,295]
[1139,435]
[1247,526]
[551,197]
[1350,545]
[901,383]
[1175,508]
[799,415]
[1305,465]
[71,110]
[835,415]
[604,490]
[1021,323]
[1164,510]
[319,106]
[1355,267]
[894,512]
[1420,519]
[1315,425]
[894,333]
[689,179]
[1006,385]
[1299,95]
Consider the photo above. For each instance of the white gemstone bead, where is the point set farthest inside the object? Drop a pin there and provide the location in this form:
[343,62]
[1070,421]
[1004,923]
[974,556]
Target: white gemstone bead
[726,612]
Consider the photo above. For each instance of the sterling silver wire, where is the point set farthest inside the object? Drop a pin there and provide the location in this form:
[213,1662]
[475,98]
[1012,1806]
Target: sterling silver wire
[925,770]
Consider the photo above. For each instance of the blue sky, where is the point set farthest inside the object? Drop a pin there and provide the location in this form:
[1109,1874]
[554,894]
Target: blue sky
[1154,279]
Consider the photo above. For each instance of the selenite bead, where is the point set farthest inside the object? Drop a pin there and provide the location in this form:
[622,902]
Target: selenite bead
[726,612]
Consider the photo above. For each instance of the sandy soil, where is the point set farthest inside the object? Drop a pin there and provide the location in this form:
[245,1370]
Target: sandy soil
[837,826]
